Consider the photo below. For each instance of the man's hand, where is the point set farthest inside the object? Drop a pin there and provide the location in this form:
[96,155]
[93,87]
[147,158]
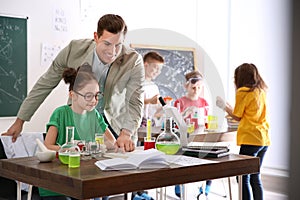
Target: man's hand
[124,141]
[15,129]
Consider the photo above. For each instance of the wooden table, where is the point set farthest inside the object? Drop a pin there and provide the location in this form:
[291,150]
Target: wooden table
[89,181]
[225,135]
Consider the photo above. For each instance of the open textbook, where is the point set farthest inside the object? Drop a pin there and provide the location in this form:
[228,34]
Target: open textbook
[148,159]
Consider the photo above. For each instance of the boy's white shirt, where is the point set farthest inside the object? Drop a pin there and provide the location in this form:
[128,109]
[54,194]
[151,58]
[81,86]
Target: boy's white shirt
[151,89]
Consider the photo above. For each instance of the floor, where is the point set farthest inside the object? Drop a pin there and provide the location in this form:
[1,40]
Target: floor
[220,191]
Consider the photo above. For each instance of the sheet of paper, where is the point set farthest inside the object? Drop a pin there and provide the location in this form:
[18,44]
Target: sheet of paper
[48,53]
[60,22]
[119,154]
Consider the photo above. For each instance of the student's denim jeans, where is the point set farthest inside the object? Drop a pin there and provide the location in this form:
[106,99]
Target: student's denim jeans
[253,180]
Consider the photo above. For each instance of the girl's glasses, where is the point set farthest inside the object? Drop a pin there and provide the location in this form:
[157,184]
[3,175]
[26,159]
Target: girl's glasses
[89,96]
[194,80]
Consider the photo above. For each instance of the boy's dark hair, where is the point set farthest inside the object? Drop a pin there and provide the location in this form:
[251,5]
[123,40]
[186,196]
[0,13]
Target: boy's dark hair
[78,78]
[154,56]
[111,23]
[247,75]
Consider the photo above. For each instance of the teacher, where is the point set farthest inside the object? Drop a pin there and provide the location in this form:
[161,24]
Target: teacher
[118,68]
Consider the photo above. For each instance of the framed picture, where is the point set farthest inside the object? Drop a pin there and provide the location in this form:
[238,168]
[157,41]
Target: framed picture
[178,62]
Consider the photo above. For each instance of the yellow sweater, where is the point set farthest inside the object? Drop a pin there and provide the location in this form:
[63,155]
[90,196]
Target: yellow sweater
[251,107]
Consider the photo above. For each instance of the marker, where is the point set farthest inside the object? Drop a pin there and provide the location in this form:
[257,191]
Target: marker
[148,129]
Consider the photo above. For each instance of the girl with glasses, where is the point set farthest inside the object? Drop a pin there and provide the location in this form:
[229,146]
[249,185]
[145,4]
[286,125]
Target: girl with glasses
[80,113]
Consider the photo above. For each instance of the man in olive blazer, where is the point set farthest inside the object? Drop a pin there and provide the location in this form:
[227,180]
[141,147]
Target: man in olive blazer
[123,92]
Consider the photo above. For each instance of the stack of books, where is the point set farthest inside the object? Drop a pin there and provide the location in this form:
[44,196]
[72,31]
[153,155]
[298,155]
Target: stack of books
[206,149]
[231,122]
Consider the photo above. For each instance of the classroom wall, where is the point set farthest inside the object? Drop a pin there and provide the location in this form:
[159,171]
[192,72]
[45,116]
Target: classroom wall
[260,33]
[228,34]
[41,31]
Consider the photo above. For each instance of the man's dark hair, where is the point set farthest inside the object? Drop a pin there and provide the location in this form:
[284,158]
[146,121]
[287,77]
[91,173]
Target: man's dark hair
[111,23]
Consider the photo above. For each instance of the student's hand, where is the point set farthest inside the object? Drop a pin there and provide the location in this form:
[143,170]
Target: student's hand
[15,129]
[152,100]
[228,106]
[188,111]
[220,103]
[124,142]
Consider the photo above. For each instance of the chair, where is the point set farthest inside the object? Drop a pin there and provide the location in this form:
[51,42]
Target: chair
[224,188]
[11,189]
[8,188]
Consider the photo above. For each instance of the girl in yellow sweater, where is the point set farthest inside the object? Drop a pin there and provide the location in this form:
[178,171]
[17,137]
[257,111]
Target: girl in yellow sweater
[253,131]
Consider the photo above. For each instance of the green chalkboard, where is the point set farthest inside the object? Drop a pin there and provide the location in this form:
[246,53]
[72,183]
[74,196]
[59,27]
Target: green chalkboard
[13,64]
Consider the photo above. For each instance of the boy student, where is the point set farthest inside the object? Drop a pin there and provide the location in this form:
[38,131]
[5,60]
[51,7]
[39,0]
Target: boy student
[153,63]
[81,113]
[189,105]
[118,69]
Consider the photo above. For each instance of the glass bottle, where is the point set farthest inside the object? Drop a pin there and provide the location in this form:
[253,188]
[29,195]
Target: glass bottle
[69,147]
[195,119]
[167,141]
[190,126]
